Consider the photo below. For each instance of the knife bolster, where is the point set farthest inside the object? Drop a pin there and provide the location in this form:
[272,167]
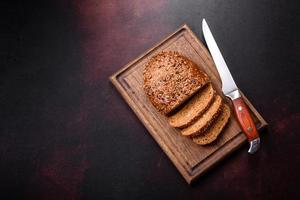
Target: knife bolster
[234,95]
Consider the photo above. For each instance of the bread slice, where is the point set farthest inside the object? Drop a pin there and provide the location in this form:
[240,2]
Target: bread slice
[194,108]
[170,79]
[214,131]
[202,123]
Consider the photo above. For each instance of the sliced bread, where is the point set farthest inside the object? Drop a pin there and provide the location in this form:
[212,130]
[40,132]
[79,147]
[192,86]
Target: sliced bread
[170,79]
[194,108]
[214,131]
[203,122]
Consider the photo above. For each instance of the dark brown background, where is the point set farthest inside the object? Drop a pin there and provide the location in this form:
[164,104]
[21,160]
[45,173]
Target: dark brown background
[67,134]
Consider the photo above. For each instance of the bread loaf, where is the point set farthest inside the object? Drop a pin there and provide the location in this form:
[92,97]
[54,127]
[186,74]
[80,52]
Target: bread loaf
[170,79]
[179,89]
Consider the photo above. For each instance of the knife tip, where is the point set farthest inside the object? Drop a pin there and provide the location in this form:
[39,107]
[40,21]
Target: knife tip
[203,22]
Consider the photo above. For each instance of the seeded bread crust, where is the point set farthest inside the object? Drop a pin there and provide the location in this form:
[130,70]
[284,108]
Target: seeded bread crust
[215,130]
[194,108]
[202,123]
[170,79]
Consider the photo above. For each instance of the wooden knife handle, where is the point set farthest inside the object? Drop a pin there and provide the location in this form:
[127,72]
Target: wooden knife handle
[245,119]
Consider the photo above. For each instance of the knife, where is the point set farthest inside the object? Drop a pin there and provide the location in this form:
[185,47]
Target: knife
[230,90]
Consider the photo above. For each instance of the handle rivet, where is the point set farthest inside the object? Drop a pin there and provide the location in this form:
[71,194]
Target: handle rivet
[240,108]
[250,129]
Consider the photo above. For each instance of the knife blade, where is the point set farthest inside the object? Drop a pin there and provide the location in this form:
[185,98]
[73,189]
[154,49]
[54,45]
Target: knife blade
[230,90]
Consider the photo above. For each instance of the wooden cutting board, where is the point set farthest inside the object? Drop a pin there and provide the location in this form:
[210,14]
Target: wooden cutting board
[190,159]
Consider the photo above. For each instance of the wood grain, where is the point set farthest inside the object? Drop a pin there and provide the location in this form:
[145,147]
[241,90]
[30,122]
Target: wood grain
[190,159]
